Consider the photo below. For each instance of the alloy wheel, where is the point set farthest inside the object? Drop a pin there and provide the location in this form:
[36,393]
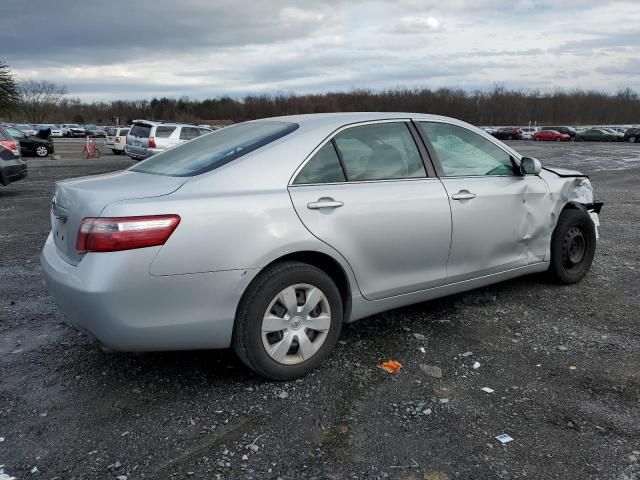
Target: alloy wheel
[296,324]
[42,151]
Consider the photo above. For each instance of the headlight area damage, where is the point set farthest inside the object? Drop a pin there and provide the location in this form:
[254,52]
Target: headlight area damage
[570,187]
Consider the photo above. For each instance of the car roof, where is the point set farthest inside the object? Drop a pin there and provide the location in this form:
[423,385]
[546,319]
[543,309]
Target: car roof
[336,120]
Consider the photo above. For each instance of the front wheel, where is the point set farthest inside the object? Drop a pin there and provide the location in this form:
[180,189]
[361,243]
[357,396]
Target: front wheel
[42,151]
[288,321]
[573,246]
[632,139]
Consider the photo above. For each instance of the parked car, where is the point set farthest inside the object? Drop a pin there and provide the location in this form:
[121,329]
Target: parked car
[269,235]
[596,135]
[146,138]
[116,139]
[550,135]
[56,131]
[73,130]
[94,131]
[566,130]
[618,137]
[508,133]
[527,132]
[26,128]
[32,144]
[12,167]
[632,135]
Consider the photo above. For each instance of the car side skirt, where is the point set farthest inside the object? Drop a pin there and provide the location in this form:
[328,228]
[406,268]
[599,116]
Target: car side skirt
[363,308]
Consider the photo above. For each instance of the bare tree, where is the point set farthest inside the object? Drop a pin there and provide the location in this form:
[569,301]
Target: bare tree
[39,98]
[8,89]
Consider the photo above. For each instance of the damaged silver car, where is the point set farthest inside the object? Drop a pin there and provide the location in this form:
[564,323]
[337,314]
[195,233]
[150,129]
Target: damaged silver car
[268,235]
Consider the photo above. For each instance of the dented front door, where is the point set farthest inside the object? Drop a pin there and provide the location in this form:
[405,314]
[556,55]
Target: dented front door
[499,223]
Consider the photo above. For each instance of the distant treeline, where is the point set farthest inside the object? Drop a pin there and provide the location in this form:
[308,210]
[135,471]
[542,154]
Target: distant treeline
[496,106]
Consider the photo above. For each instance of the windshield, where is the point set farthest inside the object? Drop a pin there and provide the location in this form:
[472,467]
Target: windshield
[215,149]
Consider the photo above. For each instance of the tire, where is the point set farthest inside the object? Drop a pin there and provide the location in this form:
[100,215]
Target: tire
[633,139]
[96,153]
[509,137]
[262,299]
[41,151]
[85,153]
[573,246]
[558,139]
[115,152]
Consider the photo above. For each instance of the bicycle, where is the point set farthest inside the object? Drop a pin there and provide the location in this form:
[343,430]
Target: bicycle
[90,150]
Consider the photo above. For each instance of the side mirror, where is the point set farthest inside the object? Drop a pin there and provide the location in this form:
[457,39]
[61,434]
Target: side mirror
[530,166]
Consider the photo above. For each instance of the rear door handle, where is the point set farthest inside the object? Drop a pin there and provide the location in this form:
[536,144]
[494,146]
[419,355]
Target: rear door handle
[324,203]
[463,195]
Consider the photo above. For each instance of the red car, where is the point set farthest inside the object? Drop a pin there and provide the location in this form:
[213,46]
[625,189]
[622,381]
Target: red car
[550,135]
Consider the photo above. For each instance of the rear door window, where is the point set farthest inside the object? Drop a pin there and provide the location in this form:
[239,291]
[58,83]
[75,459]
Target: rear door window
[381,151]
[123,132]
[141,130]
[164,131]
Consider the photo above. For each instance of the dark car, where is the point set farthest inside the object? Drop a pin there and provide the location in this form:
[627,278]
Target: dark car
[596,135]
[12,167]
[632,135]
[32,144]
[566,130]
[94,131]
[508,133]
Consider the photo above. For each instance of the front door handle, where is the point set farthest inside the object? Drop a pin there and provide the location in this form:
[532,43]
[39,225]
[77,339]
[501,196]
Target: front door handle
[463,195]
[324,203]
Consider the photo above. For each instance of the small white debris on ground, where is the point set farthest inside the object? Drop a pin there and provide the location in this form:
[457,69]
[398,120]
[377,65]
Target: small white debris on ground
[504,438]
[487,389]
[476,365]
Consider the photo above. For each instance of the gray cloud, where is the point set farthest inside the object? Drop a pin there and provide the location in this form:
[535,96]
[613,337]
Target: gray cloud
[145,48]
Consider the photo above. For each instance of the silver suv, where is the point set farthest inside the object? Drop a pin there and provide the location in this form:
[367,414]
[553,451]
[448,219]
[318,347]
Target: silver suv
[146,138]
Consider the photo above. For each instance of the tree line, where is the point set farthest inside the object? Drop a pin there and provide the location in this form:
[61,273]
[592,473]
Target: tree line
[40,102]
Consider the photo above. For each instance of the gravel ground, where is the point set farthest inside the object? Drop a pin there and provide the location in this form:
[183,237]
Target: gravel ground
[562,362]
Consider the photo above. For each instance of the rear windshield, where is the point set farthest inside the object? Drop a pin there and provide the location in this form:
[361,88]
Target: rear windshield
[140,130]
[164,131]
[212,151]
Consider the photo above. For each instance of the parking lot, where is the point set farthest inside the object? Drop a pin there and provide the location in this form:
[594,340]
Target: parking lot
[562,361]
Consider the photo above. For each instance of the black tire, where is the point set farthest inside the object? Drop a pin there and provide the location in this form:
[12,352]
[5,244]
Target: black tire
[632,139]
[247,335]
[117,152]
[573,246]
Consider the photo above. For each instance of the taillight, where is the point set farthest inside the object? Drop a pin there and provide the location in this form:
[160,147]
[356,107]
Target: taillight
[117,140]
[124,233]
[11,145]
[152,142]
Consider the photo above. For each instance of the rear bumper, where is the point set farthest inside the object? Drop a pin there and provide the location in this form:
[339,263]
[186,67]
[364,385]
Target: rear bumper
[113,297]
[12,170]
[137,152]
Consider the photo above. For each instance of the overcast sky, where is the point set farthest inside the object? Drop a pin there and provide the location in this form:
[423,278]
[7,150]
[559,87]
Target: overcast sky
[138,49]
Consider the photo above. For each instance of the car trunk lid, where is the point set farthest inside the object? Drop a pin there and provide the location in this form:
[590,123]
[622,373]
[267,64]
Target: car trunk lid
[77,199]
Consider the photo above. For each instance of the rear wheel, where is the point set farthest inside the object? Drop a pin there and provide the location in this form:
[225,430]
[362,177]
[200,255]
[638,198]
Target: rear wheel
[573,246]
[633,139]
[288,321]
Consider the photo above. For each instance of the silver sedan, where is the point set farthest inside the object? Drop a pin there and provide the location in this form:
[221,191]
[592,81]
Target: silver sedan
[268,235]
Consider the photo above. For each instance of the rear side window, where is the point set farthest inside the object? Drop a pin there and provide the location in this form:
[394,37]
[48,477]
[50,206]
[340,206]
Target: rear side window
[163,131]
[141,130]
[212,151]
[123,132]
[381,151]
[323,167]
[111,132]
[203,131]
[188,133]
